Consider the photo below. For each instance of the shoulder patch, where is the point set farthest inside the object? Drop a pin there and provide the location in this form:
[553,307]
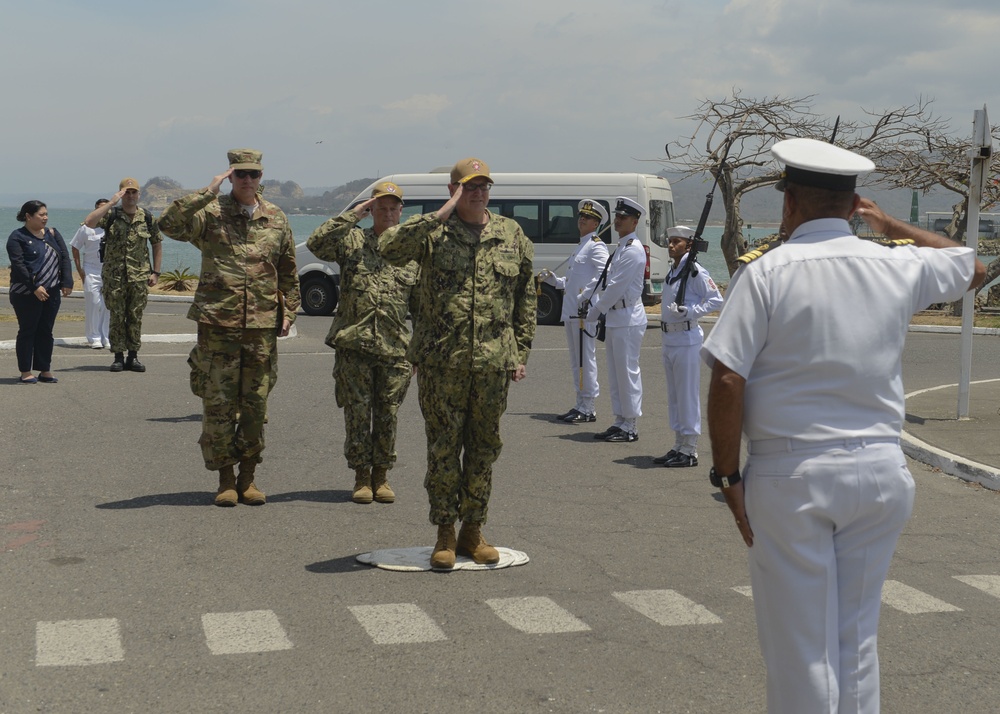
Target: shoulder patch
[596,238]
[630,242]
[752,255]
[889,242]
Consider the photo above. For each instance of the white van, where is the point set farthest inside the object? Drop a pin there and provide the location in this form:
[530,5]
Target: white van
[545,207]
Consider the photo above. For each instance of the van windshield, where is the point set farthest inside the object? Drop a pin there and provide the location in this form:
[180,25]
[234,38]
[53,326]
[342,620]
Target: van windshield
[661,217]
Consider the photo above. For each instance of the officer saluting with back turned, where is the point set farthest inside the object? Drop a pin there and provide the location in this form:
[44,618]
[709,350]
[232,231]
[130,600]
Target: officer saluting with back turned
[621,302]
[584,269]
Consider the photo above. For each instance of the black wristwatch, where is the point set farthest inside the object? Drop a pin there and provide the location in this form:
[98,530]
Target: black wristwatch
[724,481]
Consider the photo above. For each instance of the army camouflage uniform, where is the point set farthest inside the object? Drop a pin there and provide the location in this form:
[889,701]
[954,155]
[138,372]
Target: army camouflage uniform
[125,274]
[245,262]
[370,336]
[474,326]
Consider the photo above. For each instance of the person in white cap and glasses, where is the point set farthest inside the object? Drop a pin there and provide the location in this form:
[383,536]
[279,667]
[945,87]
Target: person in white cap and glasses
[584,268]
[805,362]
[621,301]
[682,337]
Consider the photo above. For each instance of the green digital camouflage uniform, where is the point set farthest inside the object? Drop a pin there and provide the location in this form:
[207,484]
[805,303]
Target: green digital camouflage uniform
[125,274]
[370,336]
[245,262]
[474,326]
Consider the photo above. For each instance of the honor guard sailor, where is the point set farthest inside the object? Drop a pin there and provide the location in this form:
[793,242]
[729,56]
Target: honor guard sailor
[682,338]
[805,362]
[620,301]
[583,270]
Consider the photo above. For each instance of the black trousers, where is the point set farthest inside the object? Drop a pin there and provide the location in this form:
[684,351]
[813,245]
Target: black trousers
[34,329]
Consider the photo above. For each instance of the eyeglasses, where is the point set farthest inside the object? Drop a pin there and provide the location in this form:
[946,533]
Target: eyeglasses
[247,173]
[470,187]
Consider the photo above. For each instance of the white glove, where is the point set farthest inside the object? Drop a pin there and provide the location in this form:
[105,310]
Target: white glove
[593,314]
[677,309]
[548,277]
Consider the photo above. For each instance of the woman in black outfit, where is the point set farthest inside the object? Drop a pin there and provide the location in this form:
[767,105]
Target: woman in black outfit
[39,271]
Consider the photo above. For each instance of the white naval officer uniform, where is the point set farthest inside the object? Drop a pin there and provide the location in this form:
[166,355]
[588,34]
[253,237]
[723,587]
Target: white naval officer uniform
[96,315]
[584,268]
[816,327]
[621,302]
[682,338]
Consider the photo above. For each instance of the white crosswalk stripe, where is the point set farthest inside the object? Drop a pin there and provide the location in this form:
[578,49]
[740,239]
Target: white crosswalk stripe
[536,615]
[989,584]
[243,632]
[912,601]
[744,590]
[78,642]
[667,607]
[400,623]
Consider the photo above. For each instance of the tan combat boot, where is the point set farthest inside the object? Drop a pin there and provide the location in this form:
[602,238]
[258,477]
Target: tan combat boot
[249,493]
[362,486]
[443,555]
[227,487]
[380,484]
[472,544]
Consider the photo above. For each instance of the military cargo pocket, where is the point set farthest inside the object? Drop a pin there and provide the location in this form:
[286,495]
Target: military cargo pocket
[200,371]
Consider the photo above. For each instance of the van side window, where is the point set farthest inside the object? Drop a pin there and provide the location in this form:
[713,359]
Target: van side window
[560,222]
[528,215]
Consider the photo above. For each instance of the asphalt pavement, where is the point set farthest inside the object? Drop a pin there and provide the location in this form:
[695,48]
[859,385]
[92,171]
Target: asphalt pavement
[123,589]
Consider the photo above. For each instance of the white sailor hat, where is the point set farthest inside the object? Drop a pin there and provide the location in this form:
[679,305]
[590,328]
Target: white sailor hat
[680,232]
[810,162]
[592,209]
[628,207]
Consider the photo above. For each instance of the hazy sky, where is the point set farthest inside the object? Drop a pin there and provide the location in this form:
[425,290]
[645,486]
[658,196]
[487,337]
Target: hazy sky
[96,90]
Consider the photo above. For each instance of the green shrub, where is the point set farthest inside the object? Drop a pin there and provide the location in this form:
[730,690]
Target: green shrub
[179,279]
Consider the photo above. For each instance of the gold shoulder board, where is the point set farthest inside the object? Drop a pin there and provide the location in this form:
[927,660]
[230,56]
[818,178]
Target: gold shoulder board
[889,242]
[752,255]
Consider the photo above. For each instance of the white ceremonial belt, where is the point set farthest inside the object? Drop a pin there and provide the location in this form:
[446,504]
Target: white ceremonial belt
[675,326]
[777,446]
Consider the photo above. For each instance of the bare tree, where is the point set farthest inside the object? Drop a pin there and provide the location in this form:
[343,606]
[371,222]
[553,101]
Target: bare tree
[940,159]
[743,130]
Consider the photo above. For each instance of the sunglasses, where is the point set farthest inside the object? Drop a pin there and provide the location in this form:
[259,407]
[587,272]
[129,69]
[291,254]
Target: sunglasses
[470,187]
[247,173]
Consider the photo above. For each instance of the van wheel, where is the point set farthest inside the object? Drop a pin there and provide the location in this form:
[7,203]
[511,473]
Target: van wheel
[319,296]
[549,305]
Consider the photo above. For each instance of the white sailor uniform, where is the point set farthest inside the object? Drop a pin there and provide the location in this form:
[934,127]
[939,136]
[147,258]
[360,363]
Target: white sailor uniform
[583,269]
[827,490]
[682,338]
[621,302]
[96,315]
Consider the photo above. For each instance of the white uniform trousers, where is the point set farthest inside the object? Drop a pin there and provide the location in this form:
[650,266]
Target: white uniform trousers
[622,348]
[589,389]
[825,524]
[96,315]
[682,364]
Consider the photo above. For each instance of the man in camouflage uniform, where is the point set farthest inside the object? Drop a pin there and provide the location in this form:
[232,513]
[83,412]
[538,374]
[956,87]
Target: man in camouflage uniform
[125,272]
[472,334]
[370,336]
[247,296]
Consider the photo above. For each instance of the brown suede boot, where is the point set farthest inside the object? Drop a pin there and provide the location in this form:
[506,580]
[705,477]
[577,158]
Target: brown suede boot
[227,487]
[362,486]
[380,484]
[249,493]
[472,544]
[443,555]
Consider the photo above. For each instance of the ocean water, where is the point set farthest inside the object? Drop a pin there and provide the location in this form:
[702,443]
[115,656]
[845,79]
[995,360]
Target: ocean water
[181,255]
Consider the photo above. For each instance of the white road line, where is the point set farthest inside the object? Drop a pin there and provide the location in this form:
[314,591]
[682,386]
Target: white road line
[667,607]
[746,590]
[76,642]
[536,615]
[989,584]
[243,632]
[912,601]
[396,624]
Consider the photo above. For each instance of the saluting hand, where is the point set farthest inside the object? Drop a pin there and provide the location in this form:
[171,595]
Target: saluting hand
[364,209]
[873,215]
[117,197]
[216,183]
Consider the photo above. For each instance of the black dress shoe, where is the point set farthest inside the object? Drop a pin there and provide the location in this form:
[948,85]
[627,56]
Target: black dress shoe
[581,418]
[623,437]
[572,412]
[681,461]
[666,457]
[607,432]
